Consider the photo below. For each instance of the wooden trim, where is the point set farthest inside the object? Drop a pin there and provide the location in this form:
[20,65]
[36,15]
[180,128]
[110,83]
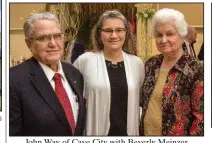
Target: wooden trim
[197,26]
[16,29]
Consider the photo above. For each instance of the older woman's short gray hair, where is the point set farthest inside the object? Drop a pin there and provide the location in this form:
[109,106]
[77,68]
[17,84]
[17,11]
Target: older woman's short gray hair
[29,24]
[97,44]
[167,15]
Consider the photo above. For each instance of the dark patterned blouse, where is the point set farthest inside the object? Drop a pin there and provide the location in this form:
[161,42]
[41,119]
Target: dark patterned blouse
[182,103]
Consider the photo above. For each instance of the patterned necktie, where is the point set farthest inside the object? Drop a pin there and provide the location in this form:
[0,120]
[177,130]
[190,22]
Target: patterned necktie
[64,100]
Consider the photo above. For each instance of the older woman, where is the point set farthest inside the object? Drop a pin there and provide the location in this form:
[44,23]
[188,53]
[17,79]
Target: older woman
[112,77]
[172,91]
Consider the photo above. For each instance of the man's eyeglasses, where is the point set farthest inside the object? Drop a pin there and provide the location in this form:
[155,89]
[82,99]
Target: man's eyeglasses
[110,31]
[47,38]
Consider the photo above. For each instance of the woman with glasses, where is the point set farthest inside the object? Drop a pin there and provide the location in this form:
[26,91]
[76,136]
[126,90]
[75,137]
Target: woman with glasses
[172,93]
[112,78]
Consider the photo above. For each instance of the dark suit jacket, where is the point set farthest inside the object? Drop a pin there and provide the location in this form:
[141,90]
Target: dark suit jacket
[201,53]
[78,49]
[192,46]
[34,109]
[184,48]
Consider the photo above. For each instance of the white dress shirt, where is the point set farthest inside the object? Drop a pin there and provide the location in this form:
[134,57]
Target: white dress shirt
[188,47]
[71,95]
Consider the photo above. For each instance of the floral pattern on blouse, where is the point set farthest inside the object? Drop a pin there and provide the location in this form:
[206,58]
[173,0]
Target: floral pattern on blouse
[183,101]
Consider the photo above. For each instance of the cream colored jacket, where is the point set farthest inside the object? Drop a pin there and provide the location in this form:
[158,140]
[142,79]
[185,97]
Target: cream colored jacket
[97,91]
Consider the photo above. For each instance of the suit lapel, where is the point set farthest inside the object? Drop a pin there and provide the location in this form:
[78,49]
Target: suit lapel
[192,45]
[73,81]
[185,48]
[45,90]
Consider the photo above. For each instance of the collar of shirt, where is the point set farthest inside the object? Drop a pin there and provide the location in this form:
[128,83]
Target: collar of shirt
[183,64]
[187,43]
[50,73]
[71,95]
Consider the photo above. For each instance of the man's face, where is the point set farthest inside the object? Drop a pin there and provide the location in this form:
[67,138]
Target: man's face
[194,35]
[46,44]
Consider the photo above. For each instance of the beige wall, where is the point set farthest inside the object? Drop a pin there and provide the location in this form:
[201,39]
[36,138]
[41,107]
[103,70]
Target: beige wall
[193,12]
[18,14]
[22,10]
[18,47]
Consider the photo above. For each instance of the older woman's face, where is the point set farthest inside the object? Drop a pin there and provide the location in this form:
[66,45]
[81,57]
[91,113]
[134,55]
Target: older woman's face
[113,34]
[167,38]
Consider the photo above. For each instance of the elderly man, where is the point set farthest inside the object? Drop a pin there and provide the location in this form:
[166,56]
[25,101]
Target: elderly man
[45,94]
[189,41]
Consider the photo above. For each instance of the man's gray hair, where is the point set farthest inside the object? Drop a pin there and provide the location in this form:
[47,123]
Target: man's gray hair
[29,24]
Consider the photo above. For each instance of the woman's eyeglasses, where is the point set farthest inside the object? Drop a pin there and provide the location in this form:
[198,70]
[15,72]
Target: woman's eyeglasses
[110,31]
